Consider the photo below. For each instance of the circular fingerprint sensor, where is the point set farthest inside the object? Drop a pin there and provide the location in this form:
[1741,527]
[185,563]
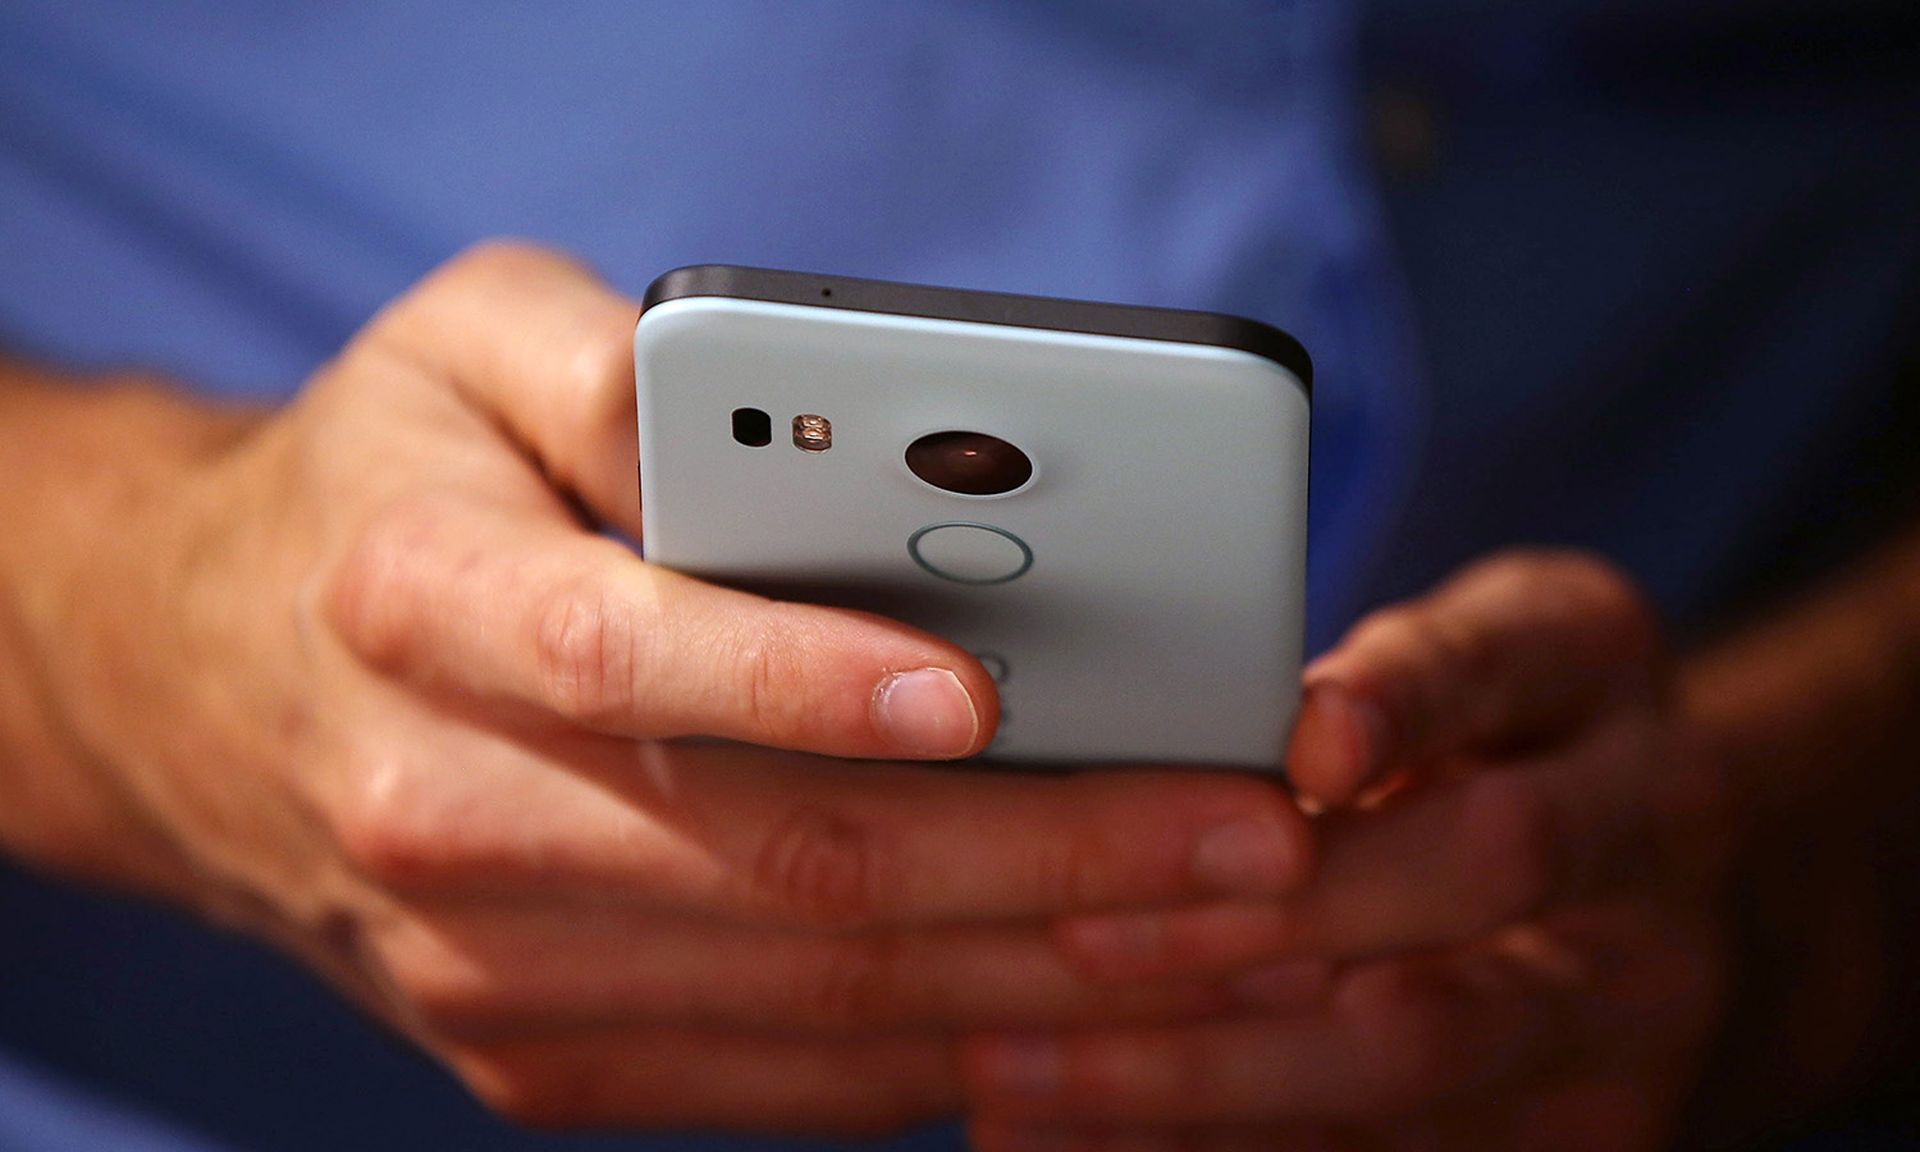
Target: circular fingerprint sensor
[970,553]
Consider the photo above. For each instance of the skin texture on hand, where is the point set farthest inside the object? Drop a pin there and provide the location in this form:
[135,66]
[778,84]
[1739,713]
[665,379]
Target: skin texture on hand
[1513,924]
[362,677]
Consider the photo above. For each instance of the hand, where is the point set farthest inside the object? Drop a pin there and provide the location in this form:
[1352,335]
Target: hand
[365,680]
[1512,929]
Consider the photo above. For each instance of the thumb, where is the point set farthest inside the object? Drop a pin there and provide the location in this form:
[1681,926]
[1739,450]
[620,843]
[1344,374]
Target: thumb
[1516,651]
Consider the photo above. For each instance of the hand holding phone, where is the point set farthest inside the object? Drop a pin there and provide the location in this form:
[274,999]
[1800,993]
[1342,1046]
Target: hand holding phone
[1105,504]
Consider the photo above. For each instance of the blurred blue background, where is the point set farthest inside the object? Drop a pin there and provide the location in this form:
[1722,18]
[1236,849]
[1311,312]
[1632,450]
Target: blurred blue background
[1635,275]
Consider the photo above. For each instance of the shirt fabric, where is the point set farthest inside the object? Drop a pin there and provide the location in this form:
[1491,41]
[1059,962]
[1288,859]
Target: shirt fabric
[226,192]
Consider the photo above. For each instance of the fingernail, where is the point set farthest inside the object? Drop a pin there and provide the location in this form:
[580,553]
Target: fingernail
[1024,1066]
[1246,858]
[1126,941]
[926,712]
[1359,728]
[1285,985]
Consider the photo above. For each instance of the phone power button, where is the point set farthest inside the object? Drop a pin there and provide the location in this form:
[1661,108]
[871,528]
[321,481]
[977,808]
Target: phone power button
[969,553]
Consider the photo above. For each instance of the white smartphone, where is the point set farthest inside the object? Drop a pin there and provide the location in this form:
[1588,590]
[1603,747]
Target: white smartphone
[1106,504]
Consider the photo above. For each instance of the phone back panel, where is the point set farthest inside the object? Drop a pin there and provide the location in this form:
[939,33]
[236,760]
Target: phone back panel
[1160,618]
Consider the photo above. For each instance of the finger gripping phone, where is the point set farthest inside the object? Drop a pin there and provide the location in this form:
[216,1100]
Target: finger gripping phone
[1106,504]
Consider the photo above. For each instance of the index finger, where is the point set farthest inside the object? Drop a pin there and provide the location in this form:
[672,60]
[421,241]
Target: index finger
[540,345]
[1514,652]
[763,837]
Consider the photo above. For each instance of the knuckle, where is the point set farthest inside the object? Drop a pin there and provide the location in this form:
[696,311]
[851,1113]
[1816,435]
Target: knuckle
[598,380]
[452,277]
[1435,653]
[1509,831]
[449,1005]
[760,689]
[770,678]
[818,868]
[443,990]
[494,260]
[379,828]
[553,1084]
[1605,595]
[512,1089]
[1593,578]
[376,595]
[525,1108]
[1071,873]
[1133,840]
[1380,627]
[1414,1054]
[1432,641]
[409,827]
[1294,840]
[483,275]
[1081,875]
[586,655]
[593,362]
[1523,572]
[1583,586]
[1449,645]
[854,983]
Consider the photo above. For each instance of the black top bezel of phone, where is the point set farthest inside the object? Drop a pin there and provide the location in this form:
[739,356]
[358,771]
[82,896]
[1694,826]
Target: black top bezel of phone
[1175,325]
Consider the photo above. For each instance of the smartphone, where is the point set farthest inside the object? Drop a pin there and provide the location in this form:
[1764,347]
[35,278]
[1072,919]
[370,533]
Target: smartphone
[1106,504]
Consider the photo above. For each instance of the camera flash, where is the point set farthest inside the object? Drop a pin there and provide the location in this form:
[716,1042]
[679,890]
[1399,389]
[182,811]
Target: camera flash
[812,433]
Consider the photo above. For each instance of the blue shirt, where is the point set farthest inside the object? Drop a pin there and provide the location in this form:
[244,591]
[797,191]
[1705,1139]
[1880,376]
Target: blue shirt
[226,192]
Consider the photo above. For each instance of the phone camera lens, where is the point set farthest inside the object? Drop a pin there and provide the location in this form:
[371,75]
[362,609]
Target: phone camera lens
[968,463]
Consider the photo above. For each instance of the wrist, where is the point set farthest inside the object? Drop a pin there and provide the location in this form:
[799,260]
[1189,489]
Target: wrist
[83,470]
